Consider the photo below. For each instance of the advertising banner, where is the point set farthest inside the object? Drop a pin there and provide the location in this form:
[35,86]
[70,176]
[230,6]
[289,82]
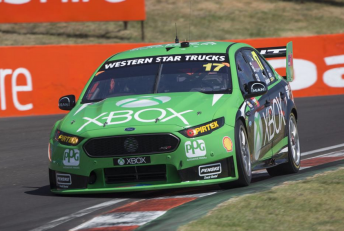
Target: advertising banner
[34,11]
[33,78]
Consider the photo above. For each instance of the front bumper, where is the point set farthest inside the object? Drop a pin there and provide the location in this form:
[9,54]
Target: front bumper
[76,184]
[182,168]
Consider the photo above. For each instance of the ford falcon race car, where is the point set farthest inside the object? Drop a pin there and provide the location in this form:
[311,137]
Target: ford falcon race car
[177,115]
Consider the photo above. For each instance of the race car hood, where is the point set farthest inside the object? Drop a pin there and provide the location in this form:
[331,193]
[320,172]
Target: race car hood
[177,110]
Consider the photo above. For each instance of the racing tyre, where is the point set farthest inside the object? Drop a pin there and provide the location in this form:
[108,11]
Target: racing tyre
[242,156]
[294,152]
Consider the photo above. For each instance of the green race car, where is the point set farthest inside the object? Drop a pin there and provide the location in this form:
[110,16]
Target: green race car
[177,115]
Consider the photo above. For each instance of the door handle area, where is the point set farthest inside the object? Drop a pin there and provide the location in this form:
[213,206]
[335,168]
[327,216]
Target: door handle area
[267,103]
[282,95]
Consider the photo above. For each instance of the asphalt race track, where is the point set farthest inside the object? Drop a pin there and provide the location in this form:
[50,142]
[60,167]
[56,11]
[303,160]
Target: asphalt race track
[26,202]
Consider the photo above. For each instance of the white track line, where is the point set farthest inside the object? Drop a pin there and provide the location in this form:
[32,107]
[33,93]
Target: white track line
[120,219]
[80,213]
[322,149]
[198,195]
[330,154]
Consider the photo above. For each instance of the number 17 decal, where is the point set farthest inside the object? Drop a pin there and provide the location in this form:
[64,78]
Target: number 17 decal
[217,66]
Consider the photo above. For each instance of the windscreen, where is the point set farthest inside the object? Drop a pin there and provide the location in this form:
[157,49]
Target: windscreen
[193,73]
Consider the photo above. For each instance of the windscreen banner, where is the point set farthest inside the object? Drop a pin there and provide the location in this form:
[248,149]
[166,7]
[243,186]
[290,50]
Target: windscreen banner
[34,11]
[33,78]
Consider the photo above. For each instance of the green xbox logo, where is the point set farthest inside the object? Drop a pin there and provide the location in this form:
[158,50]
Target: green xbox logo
[121,161]
[143,101]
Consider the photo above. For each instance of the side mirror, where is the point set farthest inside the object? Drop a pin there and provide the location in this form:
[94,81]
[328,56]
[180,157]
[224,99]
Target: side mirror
[255,88]
[67,102]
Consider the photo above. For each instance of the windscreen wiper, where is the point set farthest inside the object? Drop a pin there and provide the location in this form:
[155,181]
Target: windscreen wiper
[217,92]
[157,79]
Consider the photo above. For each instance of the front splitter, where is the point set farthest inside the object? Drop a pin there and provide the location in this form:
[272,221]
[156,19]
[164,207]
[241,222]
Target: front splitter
[145,187]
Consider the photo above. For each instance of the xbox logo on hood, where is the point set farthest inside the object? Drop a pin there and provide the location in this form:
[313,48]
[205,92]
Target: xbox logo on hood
[143,101]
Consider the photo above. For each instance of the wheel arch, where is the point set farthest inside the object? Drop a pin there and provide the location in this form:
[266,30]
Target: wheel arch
[294,111]
[291,108]
[241,115]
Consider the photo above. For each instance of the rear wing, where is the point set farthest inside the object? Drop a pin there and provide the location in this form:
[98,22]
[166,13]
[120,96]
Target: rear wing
[281,52]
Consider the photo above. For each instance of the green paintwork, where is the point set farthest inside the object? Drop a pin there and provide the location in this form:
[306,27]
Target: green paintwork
[190,103]
[281,144]
[290,62]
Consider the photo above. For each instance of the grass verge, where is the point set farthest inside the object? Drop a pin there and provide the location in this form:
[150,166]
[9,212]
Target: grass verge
[210,20]
[316,203]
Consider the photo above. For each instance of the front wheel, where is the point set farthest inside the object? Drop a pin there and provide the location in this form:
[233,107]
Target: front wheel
[294,152]
[242,156]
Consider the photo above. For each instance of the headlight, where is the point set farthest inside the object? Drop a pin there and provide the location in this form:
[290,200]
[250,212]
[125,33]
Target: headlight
[49,151]
[67,139]
[203,129]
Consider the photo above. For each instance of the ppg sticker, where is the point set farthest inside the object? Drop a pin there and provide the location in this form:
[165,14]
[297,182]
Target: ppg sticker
[71,157]
[195,149]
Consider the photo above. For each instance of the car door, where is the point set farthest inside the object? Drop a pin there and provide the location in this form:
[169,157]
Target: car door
[247,69]
[279,94]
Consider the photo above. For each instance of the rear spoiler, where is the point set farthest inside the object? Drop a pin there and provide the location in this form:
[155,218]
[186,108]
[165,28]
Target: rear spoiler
[281,52]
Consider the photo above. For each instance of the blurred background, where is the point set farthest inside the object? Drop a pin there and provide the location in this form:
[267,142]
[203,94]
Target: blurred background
[209,20]
[51,48]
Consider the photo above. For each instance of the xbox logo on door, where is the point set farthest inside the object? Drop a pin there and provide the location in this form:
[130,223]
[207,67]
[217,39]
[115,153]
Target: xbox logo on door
[143,101]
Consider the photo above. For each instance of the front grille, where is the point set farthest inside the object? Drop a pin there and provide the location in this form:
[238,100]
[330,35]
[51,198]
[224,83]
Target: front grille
[135,174]
[131,145]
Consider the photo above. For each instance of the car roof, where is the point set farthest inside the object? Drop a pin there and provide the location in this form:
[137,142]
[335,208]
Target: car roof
[174,49]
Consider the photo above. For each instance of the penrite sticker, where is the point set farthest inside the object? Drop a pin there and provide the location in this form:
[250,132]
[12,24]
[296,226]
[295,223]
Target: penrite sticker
[63,180]
[210,170]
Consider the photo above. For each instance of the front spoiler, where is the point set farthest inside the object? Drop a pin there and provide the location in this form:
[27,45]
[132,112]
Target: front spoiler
[146,187]
[216,172]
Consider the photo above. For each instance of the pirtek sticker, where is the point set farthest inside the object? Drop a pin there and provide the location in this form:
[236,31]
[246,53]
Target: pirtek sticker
[206,127]
[68,139]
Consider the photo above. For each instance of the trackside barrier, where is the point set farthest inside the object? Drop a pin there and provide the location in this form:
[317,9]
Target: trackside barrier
[35,11]
[32,78]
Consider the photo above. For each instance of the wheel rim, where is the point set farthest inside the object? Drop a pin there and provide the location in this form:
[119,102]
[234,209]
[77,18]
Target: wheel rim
[245,151]
[294,141]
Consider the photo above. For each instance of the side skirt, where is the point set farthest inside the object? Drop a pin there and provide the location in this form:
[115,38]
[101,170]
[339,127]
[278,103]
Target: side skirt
[279,158]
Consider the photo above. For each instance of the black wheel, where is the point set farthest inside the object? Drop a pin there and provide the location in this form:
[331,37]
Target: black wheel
[294,153]
[243,158]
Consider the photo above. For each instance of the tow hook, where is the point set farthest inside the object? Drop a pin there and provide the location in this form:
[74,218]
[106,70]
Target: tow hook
[272,161]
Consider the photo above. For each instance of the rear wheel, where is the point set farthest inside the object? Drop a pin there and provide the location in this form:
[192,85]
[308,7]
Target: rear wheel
[242,156]
[294,152]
